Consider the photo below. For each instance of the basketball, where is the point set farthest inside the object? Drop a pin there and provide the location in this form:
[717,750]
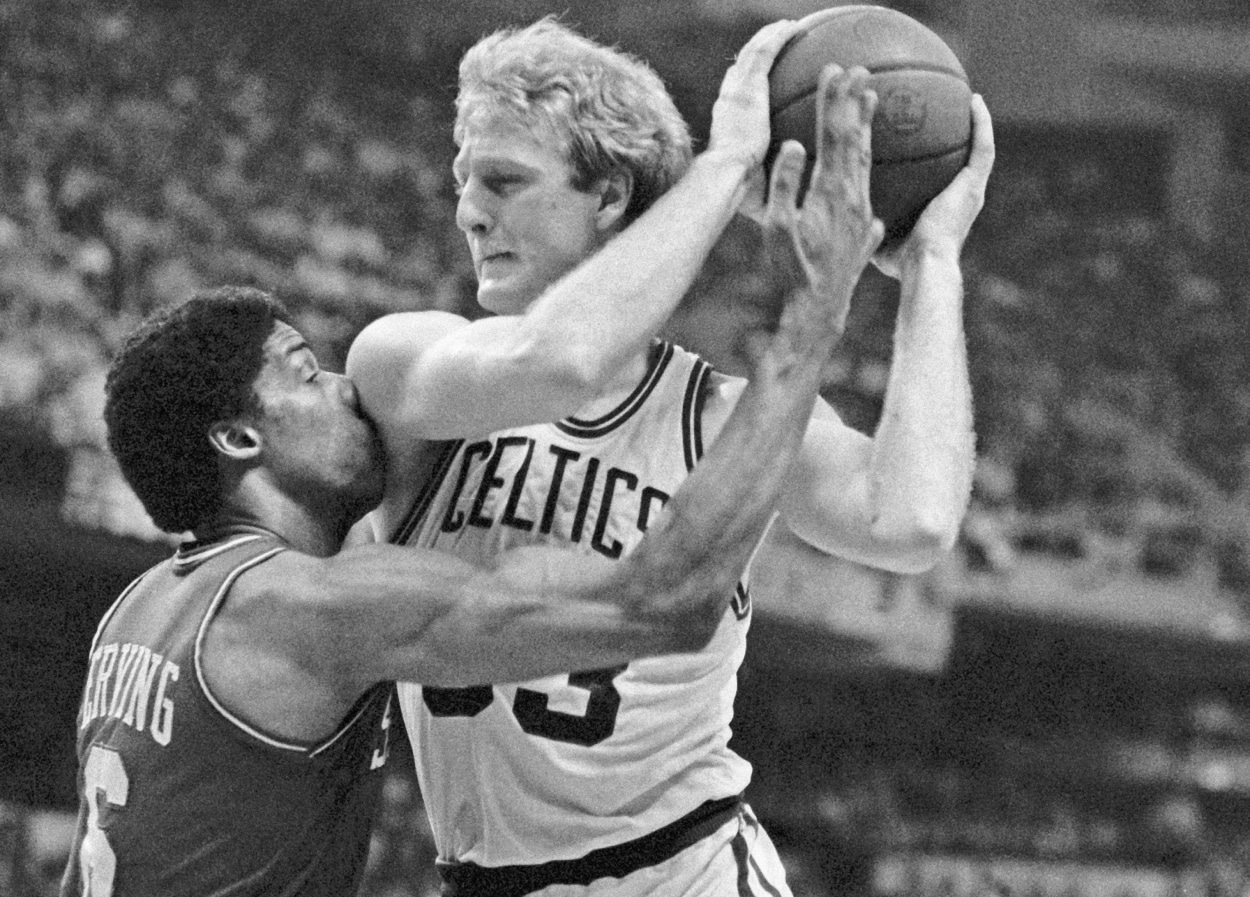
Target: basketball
[922,129]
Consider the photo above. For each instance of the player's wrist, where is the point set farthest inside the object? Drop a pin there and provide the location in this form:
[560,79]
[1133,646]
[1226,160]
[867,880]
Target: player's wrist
[930,250]
[737,160]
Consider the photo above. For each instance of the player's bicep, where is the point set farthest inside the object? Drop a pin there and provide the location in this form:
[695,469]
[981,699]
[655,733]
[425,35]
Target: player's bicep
[432,375]
[353,618]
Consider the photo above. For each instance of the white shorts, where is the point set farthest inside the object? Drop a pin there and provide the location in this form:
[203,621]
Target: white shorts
[736,860]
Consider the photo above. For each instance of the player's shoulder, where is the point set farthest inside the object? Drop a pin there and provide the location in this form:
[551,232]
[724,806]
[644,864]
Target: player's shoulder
[265,588]
[293,606]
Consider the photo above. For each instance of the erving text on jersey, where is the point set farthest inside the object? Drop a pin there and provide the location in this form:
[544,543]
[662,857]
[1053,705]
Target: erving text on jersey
[131,683]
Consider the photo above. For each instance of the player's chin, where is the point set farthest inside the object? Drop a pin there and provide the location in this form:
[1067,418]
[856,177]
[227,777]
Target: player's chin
[503,296]
[364,491]
[366,472]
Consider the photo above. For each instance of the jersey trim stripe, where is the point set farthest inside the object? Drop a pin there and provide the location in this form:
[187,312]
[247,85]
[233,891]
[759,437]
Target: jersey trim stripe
[192,554]
[692,413]
[748,862]
[692,445]
[199,664]
[421,505]
[601,426]
[742,858]
[361,706]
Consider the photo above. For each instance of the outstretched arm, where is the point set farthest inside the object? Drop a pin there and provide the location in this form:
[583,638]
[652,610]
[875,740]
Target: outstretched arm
[896,500]
[432,375]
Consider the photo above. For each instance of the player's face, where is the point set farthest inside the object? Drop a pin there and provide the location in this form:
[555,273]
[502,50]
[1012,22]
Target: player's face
[525,223]
[315,441]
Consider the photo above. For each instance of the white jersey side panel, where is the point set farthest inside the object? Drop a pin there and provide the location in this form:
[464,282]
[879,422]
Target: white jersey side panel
[550,769]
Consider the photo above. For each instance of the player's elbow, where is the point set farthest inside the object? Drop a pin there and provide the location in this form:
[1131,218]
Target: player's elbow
[914,544]
[376,368]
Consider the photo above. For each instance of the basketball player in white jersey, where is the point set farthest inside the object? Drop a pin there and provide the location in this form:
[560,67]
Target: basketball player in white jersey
[573,429]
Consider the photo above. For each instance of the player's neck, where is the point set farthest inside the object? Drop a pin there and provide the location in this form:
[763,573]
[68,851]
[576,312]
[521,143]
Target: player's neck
[312,530]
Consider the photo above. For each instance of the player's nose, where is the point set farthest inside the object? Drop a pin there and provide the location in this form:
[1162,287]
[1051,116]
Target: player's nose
[347,392]
[472,214]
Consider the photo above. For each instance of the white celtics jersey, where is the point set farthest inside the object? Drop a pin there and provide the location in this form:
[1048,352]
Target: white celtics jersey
[550,769]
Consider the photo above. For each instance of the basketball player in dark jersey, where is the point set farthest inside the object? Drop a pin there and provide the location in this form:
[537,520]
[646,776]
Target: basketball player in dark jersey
[239,703]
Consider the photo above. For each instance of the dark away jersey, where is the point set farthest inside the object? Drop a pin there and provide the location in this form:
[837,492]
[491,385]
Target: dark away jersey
[180,797]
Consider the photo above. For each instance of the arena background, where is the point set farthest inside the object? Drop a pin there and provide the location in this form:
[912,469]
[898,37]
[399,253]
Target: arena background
[1062,708]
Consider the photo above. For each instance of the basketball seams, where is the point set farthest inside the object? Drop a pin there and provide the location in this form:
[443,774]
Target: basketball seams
[779,108]
[927,157]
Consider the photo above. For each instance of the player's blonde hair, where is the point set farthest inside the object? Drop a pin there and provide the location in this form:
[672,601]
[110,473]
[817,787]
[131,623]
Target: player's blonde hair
[607,110]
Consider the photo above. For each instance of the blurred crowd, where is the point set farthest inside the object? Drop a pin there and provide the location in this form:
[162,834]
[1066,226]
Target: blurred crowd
[143,157]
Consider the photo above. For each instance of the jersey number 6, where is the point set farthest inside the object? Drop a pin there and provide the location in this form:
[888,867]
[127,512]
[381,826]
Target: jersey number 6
[105,783]
[531,710]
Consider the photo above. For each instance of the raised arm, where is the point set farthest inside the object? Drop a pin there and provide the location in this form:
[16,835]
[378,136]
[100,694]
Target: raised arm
[432,375]
[896,500]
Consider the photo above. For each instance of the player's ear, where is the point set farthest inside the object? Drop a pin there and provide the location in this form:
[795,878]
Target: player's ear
[615,193]
[234,439]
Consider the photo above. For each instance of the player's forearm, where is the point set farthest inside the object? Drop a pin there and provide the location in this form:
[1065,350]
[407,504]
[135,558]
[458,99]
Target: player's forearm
[379,612]
[535,611]
[606,310]
[713,523]
[923,450]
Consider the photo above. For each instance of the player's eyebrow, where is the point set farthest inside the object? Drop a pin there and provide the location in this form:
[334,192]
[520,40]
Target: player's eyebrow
[292,350]
[296,347]
[490,163]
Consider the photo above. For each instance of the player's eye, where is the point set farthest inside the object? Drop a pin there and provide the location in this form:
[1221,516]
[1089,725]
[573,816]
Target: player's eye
[500,183]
